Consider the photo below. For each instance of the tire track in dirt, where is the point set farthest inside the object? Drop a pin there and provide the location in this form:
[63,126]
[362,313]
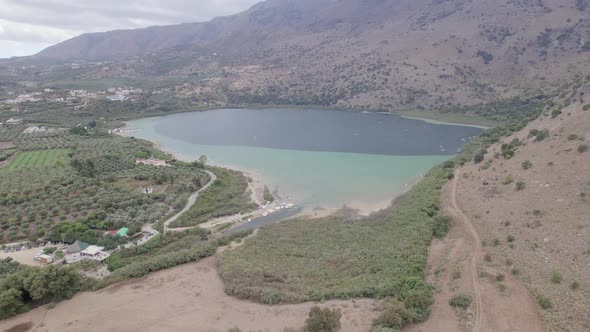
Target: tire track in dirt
[473,266]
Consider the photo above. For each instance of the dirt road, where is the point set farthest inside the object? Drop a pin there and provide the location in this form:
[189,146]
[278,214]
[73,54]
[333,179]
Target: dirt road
[191,200]
[474,276]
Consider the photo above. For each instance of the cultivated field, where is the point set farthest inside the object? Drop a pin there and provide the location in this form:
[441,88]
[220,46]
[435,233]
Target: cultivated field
[36,159]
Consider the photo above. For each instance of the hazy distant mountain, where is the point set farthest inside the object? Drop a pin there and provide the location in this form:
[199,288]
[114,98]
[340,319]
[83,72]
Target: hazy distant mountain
[391,54]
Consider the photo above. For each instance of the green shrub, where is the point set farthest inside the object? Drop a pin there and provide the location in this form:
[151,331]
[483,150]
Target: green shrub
[575,285]
[527,164]
[384,329]
[440,226]
[555,113]
[572,137]
[510,238]
[544,302]
[582,148]
[322,320]
[267,196]
[462,301]
[500,277]
[556,278]
[479,156]
[487,258]
[270,296]
[520,185]
[539,134]
[508,180]
[395,315]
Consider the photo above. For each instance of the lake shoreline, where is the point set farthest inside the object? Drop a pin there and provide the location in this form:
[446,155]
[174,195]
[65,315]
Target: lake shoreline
[439,119]
[367,191]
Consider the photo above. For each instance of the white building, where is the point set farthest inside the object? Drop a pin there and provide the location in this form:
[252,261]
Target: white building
[94,252]
[12,121]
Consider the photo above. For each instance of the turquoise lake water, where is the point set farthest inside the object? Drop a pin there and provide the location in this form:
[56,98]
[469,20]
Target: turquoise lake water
[321,164]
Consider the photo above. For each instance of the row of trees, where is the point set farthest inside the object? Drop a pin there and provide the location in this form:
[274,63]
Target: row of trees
[20,289]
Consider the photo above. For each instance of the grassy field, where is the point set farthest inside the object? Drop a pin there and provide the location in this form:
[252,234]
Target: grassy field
[36,159]
[341,257]
[227,196]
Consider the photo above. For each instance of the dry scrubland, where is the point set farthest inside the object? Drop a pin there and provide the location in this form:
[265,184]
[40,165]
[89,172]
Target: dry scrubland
[186,298]
[532,212]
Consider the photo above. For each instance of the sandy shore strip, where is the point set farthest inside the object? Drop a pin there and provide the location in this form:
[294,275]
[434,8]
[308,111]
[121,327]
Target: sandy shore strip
[443,123]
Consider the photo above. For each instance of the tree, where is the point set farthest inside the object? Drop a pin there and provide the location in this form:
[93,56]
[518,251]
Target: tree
[10,302]
[479,156]
[203,160]
[395,315]
[323,320]
[78,130]
[85,168]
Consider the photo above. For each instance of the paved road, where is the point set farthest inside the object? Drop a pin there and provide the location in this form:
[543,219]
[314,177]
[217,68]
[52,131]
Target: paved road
[191,201]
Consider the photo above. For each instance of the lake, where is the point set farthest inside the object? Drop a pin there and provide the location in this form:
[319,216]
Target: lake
[317,158]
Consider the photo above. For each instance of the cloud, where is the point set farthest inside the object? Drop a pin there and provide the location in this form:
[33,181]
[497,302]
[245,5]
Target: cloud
[30,25]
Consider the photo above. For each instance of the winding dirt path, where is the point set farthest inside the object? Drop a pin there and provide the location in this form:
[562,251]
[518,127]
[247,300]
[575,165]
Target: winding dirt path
[473,266]
[191,200]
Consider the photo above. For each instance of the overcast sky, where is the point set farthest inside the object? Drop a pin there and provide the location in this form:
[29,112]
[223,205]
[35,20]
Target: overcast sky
[28,26]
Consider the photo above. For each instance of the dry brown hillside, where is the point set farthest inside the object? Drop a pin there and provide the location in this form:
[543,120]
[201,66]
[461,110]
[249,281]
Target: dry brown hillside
[532,213]
[377,54]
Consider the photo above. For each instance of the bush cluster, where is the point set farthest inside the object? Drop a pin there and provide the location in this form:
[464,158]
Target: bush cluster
[462,301]
[322,320]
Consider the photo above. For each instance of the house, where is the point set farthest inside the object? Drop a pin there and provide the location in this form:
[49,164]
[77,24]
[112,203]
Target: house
[119,232]
[73,251]
[11,122]
[151,161]
[45,259]
[117,97]
[123,232]
[94,252]
[147,190]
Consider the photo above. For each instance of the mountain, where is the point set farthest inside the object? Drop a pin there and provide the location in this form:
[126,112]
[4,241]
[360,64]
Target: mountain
[366,54]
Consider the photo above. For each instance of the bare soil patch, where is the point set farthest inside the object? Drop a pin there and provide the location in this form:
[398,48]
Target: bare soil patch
[505,307]
[186,298]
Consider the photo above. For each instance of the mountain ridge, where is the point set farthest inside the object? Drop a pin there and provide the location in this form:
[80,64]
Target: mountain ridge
[365,54]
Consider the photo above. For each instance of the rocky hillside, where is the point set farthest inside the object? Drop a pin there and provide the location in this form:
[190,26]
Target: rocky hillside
[529,199]
[375,54]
